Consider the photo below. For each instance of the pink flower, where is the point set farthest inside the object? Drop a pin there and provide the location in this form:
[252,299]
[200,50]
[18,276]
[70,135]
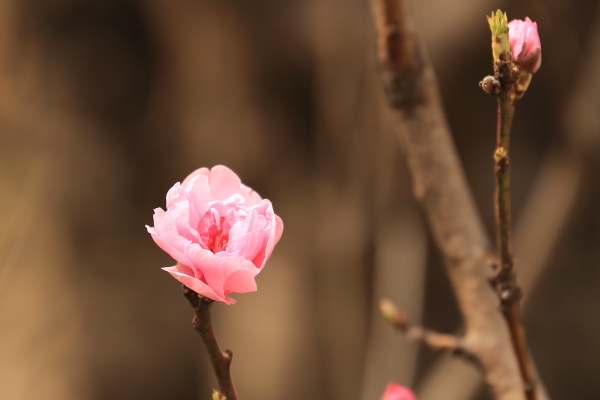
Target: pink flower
[397,392]
[525,44]
[219,231]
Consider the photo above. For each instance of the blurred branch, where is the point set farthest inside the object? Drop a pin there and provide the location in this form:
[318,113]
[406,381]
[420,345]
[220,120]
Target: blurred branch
[221,361]
[398,53]
[543,222]
[16,232]
[400,261]
[425,337]
[440,186]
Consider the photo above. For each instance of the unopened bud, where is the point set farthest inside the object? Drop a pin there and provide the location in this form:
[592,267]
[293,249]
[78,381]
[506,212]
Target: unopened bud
[525,44]
[395,391]
[490,85]
[392,314]
[498,23]
[499,27]
[388,310]
[500,154]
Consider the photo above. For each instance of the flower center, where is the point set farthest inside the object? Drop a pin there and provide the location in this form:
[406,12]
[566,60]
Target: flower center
[217,238]
[220,243]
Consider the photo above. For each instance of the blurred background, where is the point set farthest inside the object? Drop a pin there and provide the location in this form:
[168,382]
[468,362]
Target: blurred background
[105,104]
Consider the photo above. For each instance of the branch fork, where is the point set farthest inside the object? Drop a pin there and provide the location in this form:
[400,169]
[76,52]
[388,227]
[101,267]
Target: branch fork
[440,186]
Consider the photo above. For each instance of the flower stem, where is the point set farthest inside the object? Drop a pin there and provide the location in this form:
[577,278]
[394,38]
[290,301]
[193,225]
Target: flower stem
[506,111]
[221,361]
[506,279]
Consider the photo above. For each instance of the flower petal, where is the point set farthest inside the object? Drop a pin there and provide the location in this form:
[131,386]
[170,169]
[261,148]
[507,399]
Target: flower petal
[246,237]
[273,234]
[166,236]
[214,268]
[251,197]
[240,280]
[395,391]
[197,192]
[195,174]
[223,182]
[197,285]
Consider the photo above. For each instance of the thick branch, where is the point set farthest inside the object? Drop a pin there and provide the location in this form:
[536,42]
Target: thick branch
[398,52]
[221,361]
[440,186]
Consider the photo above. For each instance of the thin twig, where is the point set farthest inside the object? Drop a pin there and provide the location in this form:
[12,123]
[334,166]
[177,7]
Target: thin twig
[440,186]
[505,281]
[506,111]
[433,340]
[221,361]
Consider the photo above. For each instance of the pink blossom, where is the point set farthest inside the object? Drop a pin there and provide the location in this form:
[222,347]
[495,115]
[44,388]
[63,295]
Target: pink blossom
[219,231]
[525,44]
[395,391]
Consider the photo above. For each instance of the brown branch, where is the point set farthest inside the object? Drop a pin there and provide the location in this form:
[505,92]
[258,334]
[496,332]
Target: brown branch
[561,179]
[512,314]
[221,361]
[506,278]
[440,186]
[506,110]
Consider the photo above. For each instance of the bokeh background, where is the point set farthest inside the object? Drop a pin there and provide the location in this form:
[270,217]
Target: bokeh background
[105,104]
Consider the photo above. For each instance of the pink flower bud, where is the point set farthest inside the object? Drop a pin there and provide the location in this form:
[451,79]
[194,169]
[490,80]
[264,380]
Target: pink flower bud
[219,231]
[397,392]
[525,44]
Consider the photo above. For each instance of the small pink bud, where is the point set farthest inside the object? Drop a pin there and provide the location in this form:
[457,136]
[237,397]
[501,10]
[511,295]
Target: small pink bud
[525,44]
[397,392]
